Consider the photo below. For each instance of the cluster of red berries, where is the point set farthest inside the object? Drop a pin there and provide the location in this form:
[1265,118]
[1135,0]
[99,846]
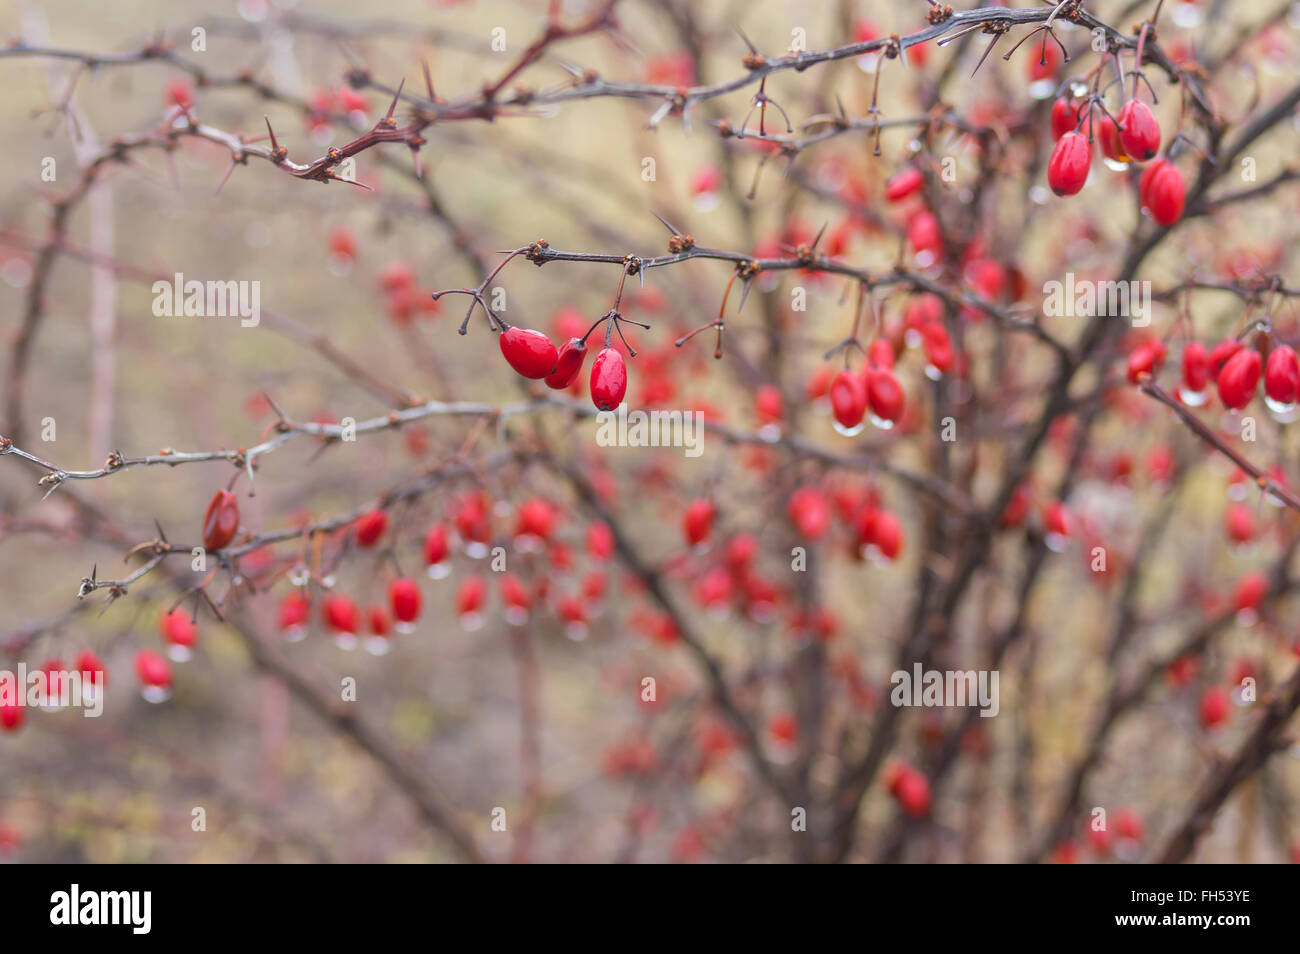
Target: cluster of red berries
[1133,137]
[1235,368]
[533,355]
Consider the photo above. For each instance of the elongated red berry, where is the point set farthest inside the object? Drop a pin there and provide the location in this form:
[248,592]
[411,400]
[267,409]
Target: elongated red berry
[1065,116]
[152,669]
[176,628]
[341,614]
[221,520]
[904,183]
[1139,133]
[885,395]
[608,380]
[1107,134]
[1239,377]
[404,599]
[529,352]
[568,365]
[1196,367]
[1214,707]
[1162,192]
[848,399]
[697,522]
[1145,359]
[1067,170]
[370,527]
[938,347]
[1282,375]
[1219,356]
[924,234]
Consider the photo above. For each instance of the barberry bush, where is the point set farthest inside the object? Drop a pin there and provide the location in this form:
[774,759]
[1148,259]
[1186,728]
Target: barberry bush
[649,430]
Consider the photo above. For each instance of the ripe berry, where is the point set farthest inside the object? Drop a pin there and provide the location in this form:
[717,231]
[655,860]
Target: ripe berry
[1239,378]
[848,402]
[600,541]
[903,184]
[516,598]
[1282,377]
[1107,134]
[910,788]
[1162,193]
[91,667]
[769,406]
[885,396]
[810,512]
[179,634]
[221,520]
[568,364]
[1239,522]
[436,551]
[924,235]
[293,613]
[12,716]
[341,615]
[370,527]
[1065,116]
[697,522]
[155,675]
[405,600]
[938,350]
[1139,133]
[1219,356]
[887,534]
[469,602]
[1250,592]
[1067,170]
[529,352]
[1145,360]
[783,729]
[535,522]
[1196,373]
[1213,707]
[608,380]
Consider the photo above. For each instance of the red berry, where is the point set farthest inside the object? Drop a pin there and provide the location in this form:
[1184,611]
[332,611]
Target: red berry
[341,614]
[536,518]
[885,396]
[152,669]
[1239,378]
[370,527]
[1065,116]
[1239,521]
[404,599]
[178,629]
[1107,134]
[1282,375]
[1196,367]
[903,184]
[608,380]
[1222,352]
[221,520]
[887,534]
[848,400]
[1139,133]
[1067,170]
[529,352]
[1145,360]
[469,598]
[293,613]
[1214,707]
[1162,193]
[379,621]
[600,541]
[697,522]
[783,728]
[91,668]
[435,545]
[1250,592]
[938,347]
[12,716]
[924,235]
[1046,61]
[769,406]
[810,512]
[568,364]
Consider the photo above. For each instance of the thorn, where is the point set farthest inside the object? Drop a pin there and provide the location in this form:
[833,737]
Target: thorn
[428,80]
[222,184]
[752,48]
[275,146]
[158,526]
[672,229]
[392,107]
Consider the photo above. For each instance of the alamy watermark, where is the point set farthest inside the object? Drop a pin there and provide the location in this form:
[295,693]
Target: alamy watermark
[624,428]
[212,299]
[950,688]
[53,689]
[1098,299]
